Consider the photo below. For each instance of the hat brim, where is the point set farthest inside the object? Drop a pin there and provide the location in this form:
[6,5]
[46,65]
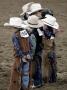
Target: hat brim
[22,13]
[55,26]
[9,25]
[24,26]
[34,11]
[21,26]
[40,24]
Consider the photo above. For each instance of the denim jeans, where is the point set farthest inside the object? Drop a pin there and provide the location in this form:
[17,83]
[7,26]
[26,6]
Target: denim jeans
[25,75]
[38,71]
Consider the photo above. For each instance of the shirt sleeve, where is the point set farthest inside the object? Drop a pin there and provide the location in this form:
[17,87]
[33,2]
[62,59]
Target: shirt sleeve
[16,45]
[32,43]
[15,41]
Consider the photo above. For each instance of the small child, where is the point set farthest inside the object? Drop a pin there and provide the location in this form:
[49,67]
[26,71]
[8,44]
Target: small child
[20,77]
[49,56]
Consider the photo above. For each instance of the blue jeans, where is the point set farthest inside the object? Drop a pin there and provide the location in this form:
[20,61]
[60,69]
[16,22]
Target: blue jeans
[53,63]
[25,74]
[38,71]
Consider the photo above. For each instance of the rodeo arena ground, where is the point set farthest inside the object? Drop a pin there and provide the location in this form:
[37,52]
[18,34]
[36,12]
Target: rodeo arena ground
[33,45]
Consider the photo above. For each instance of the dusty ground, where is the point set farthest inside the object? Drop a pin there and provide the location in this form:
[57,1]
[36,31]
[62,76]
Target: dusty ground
[10,8]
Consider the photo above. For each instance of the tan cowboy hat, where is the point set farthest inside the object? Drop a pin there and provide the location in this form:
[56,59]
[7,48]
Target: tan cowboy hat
[34,8]
[16,22]
[26,8]
[34,22]
[51,21]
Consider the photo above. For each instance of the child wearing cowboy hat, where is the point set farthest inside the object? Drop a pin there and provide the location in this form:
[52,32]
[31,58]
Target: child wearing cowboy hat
[34,23]
[35,9]
[49,57]
[25,54]
[31,8]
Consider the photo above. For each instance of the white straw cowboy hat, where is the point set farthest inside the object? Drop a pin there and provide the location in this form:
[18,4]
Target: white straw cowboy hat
[15,22]
[34,22]
[26,8]
[51,21]
[34,8]
[24,34]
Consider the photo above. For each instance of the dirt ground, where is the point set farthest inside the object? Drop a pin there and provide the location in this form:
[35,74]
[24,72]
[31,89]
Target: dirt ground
[9,8]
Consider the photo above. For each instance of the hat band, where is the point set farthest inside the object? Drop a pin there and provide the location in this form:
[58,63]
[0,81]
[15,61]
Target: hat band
[31,23]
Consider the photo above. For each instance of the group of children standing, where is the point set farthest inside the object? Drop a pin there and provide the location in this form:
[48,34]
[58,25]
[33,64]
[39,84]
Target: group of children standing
[34,47]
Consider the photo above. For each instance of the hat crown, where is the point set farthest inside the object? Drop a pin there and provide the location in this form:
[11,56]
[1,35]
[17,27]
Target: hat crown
[15,21]
[33,20]
[25,8]
[50,19]
[34,8]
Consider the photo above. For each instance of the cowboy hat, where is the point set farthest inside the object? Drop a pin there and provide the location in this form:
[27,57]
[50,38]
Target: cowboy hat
[50,21]
[34,8]
[34,22]
[25,8]
[16,22]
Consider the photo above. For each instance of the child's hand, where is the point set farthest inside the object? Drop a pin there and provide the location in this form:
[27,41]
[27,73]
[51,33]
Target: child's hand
[28,56]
